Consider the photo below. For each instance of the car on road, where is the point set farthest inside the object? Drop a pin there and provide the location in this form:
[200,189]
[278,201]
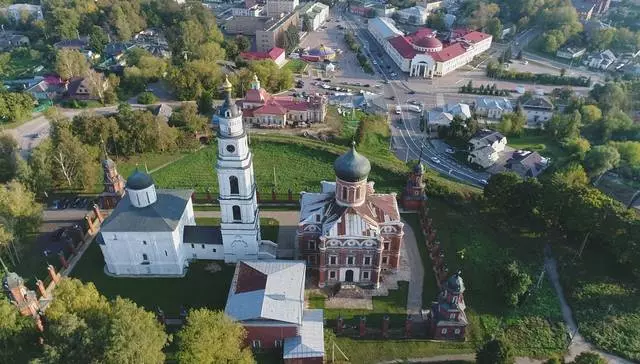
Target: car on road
[394,74]
[435,160]
[392,97]
[415,102]
[398,110]
[318,79]
[327,80]
[484,182]
[525,62]
[450,151]
[375,62]
[411,92]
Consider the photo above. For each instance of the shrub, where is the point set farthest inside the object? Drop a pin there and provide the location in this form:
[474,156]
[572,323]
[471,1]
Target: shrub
[146,98]
[589,358]
[495,352]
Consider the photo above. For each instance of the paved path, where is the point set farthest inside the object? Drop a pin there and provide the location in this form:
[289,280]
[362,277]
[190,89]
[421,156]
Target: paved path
[414,297]
[578,344]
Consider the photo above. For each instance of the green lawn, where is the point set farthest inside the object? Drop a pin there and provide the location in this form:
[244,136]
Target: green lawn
[373,351]
[534,328]
[537,141]
[296,65]
[199,288]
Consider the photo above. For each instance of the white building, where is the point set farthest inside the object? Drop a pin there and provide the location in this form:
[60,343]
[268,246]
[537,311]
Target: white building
[492,108]
[538,109]
[318,13]
[416,15]
[570,52]
[602,60]
[278,7]
[255,10]
[442,116]
[421,54]
[485,147]
[153,231]
[18,12]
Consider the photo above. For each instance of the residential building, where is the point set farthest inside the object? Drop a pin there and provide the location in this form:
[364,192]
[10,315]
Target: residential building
[265,110]
[431,5]
[442,116]
[270,36]
[602,60]
[79,44]
[348,233]
[18,12]
[246,25]
[255,10]
[527,164]
[78,88]
[570,52]
[416,15]
[278,7]
[421,54]
[538,109]
[485,147]
[153,231]
[317,13]
[277,55]
[492,108]
[447,319]
[10,41]
[267,299]
[363,8]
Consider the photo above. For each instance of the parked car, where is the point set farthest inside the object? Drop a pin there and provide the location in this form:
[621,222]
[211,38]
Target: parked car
[450,151]
[411,92]
[435,160]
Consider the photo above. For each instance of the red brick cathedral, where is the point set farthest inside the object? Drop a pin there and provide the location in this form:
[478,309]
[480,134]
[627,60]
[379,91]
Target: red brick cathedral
[348,233]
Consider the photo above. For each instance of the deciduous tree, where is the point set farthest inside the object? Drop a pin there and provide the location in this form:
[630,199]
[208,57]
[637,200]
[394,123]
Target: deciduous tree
[210,337]
[73,162]
[71,63]
[495,352]
[512,282]
[600,159]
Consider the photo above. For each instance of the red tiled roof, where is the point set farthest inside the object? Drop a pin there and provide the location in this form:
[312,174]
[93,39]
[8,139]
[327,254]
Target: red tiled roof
[272,54]
[275,52]
[475,37]
[254,95]
[403,46]
[428,42]
[421,33]
[293,105]
[451,52]
[272,108]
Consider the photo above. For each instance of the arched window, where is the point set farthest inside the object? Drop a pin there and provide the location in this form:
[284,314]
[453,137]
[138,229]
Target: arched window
[233,183]
[145,257]
[236,213]
[344,193]
[358,193]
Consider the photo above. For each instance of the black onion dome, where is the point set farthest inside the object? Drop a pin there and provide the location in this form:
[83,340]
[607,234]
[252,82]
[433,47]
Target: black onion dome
[455,283]
[139,181]
[419,168]
[352,166]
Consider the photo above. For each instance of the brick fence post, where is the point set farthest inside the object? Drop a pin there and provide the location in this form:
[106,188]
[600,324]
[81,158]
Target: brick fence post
[407,327]
[273,195]
[55,277]
[41,289]
[363,326]
[96,210]
[339,325]
[385,326]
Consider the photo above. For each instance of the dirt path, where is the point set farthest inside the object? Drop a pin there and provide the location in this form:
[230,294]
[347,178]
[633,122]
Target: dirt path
[414,297]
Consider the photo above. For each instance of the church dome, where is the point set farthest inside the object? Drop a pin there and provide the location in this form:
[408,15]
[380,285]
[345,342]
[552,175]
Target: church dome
[139,181]
[352,166]
[429,43]
[418,168]
[455,283]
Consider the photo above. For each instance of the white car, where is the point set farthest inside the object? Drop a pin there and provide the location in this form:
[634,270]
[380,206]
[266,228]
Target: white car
[484,182]
[435,160]
[375,62]
[393,74]
[525,62]
[450,151]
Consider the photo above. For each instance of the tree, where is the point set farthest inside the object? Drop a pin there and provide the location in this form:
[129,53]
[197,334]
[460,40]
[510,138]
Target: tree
[71,63]
[498,190]
[19,213]
[307,25]
[512,282]
[495,352]
[190,80]
[15,106]
[495,28]
[205,102]
[590,114]
[231,49]
[512,124]
[146,98]
[482,15]
[211,337]
[577,148]
[73,162]
[41,179]
[188,119]
[244,44]
[588,357]
[15,331]
[98,39]
[573,175]
[563,71]
[600,159]
[98,87]
[8,156]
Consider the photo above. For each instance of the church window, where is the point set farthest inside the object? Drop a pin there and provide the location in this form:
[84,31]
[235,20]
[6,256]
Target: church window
[444,331]
[236,213]
[318,218]
[454,299]
[231,148]
[233,183]
[332,274]
[344,193]
[193,246]
[386,246]
[452,316]
[145,257]
[365,275]
[144,242]
[351,260]
[202,246]
[333,260]
[166,253]
[148,199]
[214,250]
[358,193]
[311,259]
[277,343]
[312,245]
[367,260]
[138,198]
[456,331]
[256,344]
[385,260]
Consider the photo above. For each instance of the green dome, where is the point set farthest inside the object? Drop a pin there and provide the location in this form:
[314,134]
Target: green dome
[352,166]
[139,181]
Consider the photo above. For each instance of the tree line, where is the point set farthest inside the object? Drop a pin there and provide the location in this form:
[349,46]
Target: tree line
[495,70]
[83,326]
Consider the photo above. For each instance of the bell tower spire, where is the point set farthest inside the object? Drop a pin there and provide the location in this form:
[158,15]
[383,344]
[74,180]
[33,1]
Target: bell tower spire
[240,225]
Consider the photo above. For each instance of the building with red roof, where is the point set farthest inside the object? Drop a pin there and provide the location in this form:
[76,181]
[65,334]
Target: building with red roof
[277,55]
[261,108]
[422,54]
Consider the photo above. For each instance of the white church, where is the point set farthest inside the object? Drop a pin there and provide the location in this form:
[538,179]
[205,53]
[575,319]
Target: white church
[153,231]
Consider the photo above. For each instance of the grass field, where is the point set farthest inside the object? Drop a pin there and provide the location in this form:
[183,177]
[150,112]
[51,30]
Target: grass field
[373,351]
[296,65]
[537,141]
[534,328]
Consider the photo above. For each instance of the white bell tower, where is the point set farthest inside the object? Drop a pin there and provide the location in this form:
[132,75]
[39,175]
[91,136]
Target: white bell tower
[238,203]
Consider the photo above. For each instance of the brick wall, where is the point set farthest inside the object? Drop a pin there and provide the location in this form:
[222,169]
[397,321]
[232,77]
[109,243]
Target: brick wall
[269,334]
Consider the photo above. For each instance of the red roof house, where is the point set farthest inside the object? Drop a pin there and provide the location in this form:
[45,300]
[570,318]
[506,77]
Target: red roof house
[277,55]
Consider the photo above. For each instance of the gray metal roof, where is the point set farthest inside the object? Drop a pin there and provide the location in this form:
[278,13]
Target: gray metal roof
[310,340]
[202,235]
[281,299]
[163,215]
